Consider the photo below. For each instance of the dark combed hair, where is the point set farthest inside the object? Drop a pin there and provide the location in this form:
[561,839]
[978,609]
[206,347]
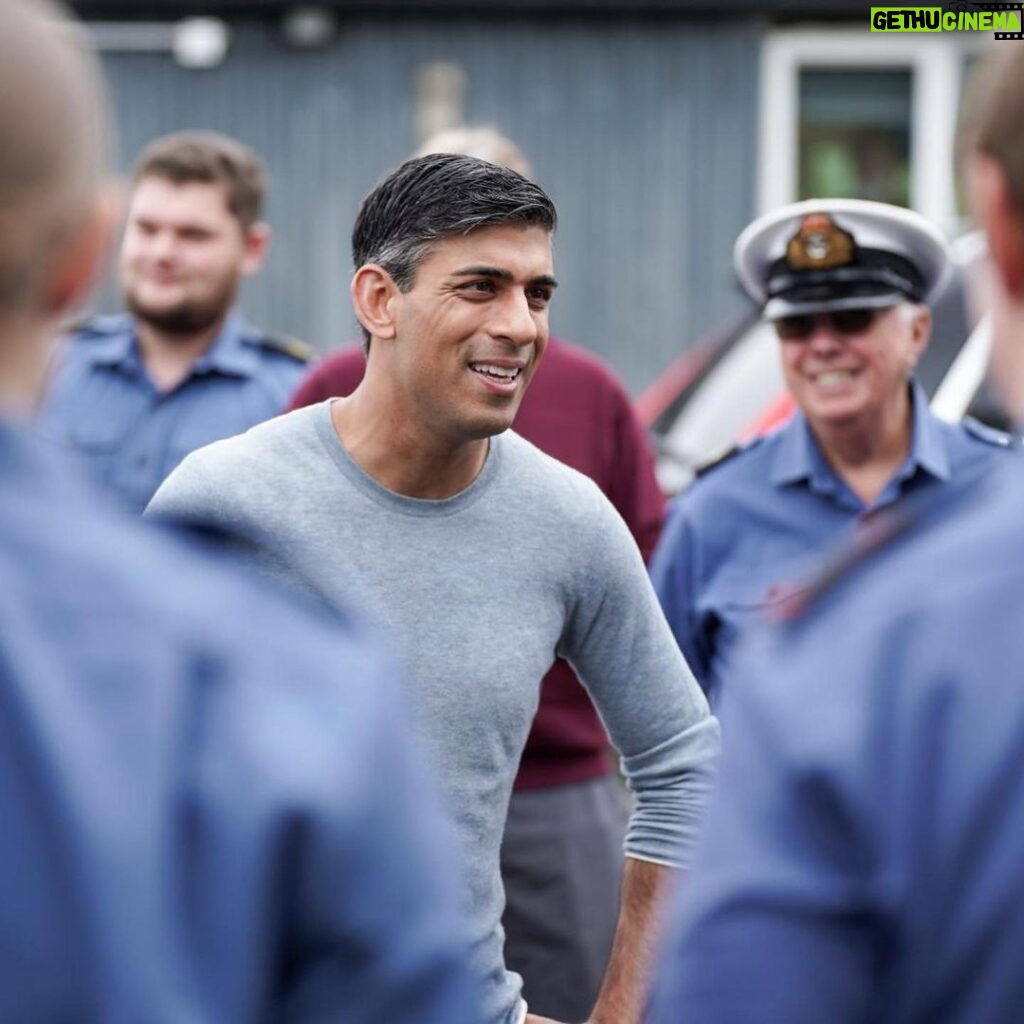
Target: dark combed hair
[993,118]
[438,196]
[208,157]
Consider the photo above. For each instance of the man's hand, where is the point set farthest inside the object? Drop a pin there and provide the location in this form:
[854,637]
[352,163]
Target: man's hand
[532,1018]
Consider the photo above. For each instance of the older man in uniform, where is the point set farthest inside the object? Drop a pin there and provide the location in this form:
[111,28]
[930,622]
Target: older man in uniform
[197,823]
[487,557]
[864,857]
[846,284]
[134,394]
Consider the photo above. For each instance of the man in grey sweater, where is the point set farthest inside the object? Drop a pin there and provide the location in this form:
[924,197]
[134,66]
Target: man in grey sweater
[485,557]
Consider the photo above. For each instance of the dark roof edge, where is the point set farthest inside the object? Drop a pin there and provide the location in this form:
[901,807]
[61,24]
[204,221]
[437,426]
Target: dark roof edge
[787,9]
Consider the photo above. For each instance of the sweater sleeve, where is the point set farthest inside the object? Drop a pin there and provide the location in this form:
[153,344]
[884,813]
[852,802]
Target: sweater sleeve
[657,717]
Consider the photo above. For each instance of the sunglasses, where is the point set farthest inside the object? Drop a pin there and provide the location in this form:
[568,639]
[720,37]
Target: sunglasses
[841,321]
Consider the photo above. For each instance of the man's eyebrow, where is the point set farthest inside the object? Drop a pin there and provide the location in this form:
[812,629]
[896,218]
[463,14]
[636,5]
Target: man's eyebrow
[503,275]
[544,279]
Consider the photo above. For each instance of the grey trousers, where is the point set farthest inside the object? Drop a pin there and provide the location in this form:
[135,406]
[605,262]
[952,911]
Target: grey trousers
[561,862]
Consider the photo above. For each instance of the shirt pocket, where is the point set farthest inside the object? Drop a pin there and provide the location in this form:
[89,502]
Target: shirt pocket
[101,430]
[757,595]
[105,438]
[90,413]
[95,409]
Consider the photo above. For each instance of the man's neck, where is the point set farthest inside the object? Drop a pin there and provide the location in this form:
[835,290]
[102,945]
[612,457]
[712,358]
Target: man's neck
[408,462]
[866,455]
[168,358]
[25,351]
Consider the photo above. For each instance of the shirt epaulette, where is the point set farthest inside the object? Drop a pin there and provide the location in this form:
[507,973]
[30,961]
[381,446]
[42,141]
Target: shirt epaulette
[94,327]
[875,535]
[727,456]
[300,351]
[990,435]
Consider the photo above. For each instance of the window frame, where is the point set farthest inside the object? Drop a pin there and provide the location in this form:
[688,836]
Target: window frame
[935,63]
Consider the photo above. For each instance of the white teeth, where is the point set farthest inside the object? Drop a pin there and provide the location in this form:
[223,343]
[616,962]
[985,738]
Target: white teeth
[832,377]
[504,372]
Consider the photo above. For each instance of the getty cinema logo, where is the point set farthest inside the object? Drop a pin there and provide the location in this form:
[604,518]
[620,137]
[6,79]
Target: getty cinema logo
[1005,20]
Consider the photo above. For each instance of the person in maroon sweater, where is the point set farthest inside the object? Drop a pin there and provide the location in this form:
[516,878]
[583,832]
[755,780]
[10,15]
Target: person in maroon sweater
[562,851]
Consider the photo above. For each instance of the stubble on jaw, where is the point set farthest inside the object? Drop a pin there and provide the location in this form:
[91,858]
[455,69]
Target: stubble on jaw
[184,318]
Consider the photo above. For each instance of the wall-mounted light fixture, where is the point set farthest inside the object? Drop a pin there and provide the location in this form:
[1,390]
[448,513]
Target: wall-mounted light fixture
[200,43]
[197,43]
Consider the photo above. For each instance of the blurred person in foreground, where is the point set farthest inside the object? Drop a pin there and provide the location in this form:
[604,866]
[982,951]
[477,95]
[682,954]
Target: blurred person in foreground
[847,285]
[561,855]
[133,394]
[486,557]
[864,855]
[198,825]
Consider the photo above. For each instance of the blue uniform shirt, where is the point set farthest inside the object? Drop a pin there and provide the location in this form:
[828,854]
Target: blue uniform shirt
[748,528]
[103,404]
[212,807]
[863,858]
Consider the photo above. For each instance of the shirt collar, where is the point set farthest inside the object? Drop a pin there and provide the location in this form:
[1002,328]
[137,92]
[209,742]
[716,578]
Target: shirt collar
[232,353]
[929,449]
[798,456]
[116,349]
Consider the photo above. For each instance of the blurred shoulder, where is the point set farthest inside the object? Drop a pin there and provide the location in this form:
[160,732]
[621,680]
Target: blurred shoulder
[99,328]
[742,464]
[150,585]
[982,434]
[975,448]
[95,340]
[281,347]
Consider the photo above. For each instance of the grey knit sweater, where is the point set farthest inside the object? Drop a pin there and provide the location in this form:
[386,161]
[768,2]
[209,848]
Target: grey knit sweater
[480,591]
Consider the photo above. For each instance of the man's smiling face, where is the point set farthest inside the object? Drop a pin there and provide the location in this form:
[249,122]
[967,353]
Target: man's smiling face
[184,254]
[471,329]
[852,379]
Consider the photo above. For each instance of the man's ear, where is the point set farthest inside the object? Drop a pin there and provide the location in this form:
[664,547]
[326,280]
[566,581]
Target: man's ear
[921,330]
[73,272]
[374,295]
[1001,221]
[257,243]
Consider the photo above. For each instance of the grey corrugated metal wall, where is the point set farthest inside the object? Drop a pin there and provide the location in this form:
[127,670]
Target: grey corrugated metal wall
[643,132]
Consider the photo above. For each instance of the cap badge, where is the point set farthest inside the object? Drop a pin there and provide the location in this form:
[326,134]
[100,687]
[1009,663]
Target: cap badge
[820,244]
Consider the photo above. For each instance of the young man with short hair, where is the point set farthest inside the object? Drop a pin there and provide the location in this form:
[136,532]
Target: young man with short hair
[134,394]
